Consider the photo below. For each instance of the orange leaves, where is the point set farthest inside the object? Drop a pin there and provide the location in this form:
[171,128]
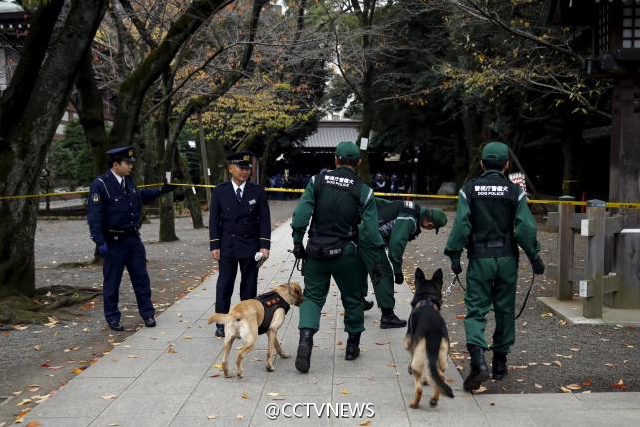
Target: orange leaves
[620,385]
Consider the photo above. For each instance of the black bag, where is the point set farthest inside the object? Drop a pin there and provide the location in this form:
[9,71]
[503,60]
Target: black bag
[325,251]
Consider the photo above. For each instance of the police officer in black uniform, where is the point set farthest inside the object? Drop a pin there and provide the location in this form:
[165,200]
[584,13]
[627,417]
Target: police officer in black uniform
[114,219]
[239,229]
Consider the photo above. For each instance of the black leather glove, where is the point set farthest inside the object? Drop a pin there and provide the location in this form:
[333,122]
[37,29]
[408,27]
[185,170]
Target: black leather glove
[399,277]
[537,265]
[166,187]
[456,267]
[298,251]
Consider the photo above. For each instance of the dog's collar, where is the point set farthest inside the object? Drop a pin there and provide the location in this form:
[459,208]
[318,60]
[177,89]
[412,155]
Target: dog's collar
[435,302]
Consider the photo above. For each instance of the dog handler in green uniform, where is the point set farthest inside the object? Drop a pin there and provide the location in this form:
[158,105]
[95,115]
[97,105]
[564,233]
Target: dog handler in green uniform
[399,222]
[336,202]
[492,219]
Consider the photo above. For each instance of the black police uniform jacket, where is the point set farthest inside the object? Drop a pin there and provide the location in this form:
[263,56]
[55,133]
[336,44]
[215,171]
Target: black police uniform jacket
[239,229]
[110,207]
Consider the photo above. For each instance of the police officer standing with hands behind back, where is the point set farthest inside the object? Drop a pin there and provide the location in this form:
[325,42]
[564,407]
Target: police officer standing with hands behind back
[239,228]
[114,217]
[492,219]
[335,202]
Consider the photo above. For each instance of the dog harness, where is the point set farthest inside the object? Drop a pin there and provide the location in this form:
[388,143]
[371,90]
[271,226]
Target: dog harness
[271,301]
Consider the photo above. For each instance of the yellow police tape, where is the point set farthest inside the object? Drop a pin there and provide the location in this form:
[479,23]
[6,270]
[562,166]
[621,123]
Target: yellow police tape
[616,205]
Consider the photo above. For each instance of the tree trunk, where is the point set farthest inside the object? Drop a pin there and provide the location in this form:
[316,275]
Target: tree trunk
[461,159]
[473,141]
[90,107]
[191,199]
[572,166]
[166,154]
[26,139]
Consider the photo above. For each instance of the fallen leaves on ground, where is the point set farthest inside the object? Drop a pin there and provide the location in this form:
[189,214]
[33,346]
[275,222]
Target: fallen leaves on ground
[78,370]
[273,394]
[574,386]
[33,424]
[344,391]
[240,417]
[365,423]
[212,417]
[19,327]
[171,350]
[108,396]
[245,395]
[52,322]
[479,390]
[620,385]
[587,383]
[21,415]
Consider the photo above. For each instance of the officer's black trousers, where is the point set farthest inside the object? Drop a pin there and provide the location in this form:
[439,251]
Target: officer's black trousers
[228,268]
[128,252]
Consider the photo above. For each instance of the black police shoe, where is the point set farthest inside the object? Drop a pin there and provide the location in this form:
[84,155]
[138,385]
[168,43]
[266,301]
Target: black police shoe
[499,365]
[479,370]
[150,322]
[116,326]
[389,321]
[305,345]
[368,305]
[220,331]
[353,346]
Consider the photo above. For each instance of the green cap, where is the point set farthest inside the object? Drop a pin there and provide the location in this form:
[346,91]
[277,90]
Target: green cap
[435,215]
[347,150]
[495,151]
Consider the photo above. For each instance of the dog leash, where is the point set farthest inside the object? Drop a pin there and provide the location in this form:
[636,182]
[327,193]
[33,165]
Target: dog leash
[524,303]
[533,276]
[299,265]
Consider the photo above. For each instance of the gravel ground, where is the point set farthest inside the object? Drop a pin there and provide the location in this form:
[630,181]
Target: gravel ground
[548,354]
[41,358]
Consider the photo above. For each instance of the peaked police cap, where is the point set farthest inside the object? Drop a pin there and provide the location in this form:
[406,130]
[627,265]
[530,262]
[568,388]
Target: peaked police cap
[241,158]
[121,153]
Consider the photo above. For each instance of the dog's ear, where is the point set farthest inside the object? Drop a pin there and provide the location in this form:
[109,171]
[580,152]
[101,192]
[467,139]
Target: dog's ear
[437,276]
[419,276]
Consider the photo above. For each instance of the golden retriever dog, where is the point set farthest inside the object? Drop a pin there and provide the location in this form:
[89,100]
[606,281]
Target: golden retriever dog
[250,318]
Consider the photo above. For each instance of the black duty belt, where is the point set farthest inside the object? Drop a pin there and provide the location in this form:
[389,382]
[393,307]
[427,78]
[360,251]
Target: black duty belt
[124,232]
[496,243]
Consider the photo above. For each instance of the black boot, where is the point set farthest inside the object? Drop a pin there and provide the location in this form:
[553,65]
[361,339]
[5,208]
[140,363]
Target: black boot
[479,369]
[390,320]
[303,359]
[499,365]
[353,346]
[368,305]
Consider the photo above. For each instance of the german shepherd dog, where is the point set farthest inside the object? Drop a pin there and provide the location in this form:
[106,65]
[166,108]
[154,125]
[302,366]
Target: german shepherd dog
[245,320]
[427,339]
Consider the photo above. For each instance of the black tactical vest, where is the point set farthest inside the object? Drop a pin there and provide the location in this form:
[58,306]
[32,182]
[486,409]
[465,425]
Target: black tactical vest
[336,214]
[493,200]
[388,214]
[271,301]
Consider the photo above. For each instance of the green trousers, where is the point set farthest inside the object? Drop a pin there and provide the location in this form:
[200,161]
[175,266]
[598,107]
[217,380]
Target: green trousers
[491,281]
[348,271]
[383,279]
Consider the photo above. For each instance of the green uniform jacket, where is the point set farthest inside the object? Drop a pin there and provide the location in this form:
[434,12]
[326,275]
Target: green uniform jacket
[403,230]
[524,226]
[368,229]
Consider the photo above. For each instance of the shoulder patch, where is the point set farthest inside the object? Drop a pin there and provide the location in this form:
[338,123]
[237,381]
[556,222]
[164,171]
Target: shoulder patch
[96,198]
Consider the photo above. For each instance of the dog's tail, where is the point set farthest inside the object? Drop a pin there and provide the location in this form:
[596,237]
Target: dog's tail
[434,347]
[219,318]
